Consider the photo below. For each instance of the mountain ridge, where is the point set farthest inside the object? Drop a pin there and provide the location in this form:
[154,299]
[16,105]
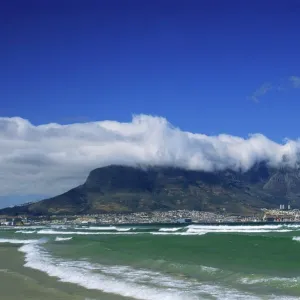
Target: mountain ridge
[124,189]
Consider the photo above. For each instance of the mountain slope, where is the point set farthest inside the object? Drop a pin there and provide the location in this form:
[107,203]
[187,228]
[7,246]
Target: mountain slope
[128,189]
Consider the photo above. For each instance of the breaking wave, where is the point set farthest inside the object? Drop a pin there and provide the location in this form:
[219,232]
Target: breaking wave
[170,229]
[192,229]
[143,284]
[50,232]
[238,228]
[60,239]
[123,280]
[26,231]
[178,233]
[16,241]
[99,228]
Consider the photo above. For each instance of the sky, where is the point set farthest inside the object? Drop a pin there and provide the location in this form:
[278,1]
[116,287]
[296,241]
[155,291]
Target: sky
[79,78]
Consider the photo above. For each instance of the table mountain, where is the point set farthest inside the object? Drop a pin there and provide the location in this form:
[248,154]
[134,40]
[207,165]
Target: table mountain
[128,189]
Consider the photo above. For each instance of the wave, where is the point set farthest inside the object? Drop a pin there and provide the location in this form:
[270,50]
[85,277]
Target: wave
[188,230]
[125,281]
[236,228]
[124,229]
[293,226]
[183,231]
[105,228]
[296,238]
[170,229]
[60,239]
[16,241]
[291,282]
[50,232]
[239,227]
[108,228]
[236,231]
[25,231]
[177,233]
[209,269]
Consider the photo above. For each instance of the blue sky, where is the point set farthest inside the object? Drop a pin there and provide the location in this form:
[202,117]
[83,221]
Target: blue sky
[207,66]
[193,62]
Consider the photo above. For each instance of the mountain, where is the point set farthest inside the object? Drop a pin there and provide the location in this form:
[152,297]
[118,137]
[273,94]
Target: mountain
[127,189]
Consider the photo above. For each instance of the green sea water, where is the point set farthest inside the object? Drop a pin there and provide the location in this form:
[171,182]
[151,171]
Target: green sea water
[151,262]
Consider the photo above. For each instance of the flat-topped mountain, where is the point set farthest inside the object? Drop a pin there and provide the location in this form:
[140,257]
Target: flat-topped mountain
[128,189]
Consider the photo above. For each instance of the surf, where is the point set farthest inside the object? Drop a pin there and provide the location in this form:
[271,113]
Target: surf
[124,280]
[61,239]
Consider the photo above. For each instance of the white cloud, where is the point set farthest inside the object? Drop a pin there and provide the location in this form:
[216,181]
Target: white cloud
[52,158]
[292,82]
[261,91]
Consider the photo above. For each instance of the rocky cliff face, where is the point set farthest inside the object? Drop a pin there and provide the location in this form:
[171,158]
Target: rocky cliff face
[128,189]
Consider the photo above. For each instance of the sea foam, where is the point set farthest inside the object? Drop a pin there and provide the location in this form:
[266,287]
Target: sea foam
[61,239]
[25,231]
[16,241]
[99,228]
[51,232]
[178,233]
[125,281]
[236,228]
[170,229]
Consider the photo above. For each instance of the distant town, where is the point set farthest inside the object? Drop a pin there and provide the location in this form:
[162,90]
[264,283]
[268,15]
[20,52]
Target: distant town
[282,214]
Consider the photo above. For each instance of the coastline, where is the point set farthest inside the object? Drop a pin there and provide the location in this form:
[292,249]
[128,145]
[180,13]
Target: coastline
[165,224]
[80,263]
[156,218]
[16,280]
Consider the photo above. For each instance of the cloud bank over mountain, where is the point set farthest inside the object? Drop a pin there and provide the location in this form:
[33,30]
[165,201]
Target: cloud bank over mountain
[52,158]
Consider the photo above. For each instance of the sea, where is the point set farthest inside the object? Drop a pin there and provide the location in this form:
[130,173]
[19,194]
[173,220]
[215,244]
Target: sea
[150,262]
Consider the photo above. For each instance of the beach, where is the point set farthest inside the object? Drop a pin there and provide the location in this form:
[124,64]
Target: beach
[17,280]
[150,262]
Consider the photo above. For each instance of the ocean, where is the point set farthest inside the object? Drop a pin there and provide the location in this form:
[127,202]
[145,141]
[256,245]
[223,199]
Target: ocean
[150,262]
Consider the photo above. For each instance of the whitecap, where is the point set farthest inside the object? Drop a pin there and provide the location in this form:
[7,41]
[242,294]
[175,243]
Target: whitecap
[25,231]
[51,232]
[169,229]
[123,229]
[16,241]
[236,228]
[60,239]
[125,281]
[108,228]
[178,233]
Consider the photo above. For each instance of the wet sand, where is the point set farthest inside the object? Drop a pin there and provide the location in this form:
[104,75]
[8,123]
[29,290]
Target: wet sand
[18,282]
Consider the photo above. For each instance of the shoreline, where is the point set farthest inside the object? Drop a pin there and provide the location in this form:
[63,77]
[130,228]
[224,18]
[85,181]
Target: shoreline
[17,279]
[156,218]
[167,224]
[201,223]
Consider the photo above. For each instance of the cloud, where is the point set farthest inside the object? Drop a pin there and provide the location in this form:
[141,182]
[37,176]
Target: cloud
[52,158]
[292,82]
[295,80]
[262,90]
